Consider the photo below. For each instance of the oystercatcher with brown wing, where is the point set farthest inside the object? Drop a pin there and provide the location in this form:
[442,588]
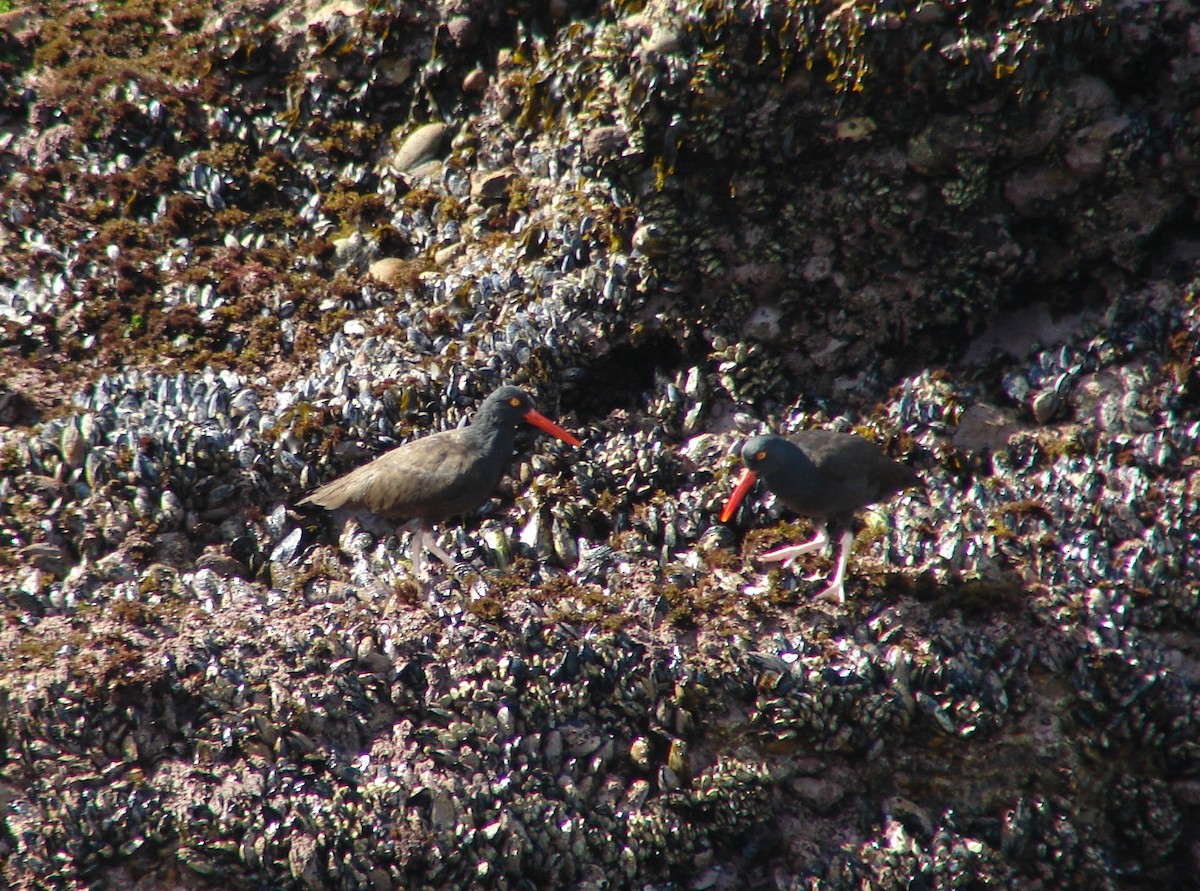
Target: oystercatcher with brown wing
[823,475]
[440,475]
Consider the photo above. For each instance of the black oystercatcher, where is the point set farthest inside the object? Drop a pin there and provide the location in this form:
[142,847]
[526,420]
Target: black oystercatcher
[439,475]
[823,475]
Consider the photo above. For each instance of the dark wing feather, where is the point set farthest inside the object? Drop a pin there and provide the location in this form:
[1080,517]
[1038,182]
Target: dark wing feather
[854,471]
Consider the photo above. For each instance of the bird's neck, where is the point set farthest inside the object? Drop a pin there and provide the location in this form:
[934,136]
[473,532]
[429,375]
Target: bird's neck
[800,480]
[493,438]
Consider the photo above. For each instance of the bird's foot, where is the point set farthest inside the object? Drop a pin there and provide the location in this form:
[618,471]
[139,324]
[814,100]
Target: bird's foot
[835,593]
[423,543]
[439,553]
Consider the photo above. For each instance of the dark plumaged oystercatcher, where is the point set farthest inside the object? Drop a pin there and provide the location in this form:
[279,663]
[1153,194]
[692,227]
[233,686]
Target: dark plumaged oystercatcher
[440,475]
[823,475]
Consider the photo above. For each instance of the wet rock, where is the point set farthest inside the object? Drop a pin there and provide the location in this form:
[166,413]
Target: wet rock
[391,271]
[603,143]
[462,31]
[1089,147]
[423,144]
[819,794]
[475,81]
[222,564]
[1036,192]
[490,187]
[984,428]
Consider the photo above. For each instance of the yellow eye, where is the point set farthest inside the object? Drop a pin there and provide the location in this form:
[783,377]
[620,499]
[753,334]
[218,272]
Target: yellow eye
[760,455]
[515,401]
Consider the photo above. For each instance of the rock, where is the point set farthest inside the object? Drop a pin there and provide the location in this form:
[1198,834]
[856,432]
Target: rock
[395,71]
[489,188]
[855,129]
[422,144]
[392,271]
[602,143]
[352,250]
[1089,147]
[223,565]
[662,39]
[651,241]
[462,31]
[762,323]
[1035,192]
[73,447]
[475,81]
[46,557]
[820,794]
[985,428]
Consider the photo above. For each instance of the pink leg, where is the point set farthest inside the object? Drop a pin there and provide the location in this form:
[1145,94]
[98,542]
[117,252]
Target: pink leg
[422,541]
[787,556]
[418,552]
[437,551]
[837,588]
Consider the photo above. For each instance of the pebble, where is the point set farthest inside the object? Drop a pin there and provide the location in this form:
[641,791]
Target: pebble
[421,145]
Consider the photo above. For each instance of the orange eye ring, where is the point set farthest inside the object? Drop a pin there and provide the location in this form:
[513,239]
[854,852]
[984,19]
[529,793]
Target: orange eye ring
[515,401]
[760,455]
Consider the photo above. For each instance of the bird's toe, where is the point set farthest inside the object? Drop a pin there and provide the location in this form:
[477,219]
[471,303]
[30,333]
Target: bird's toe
[833,594]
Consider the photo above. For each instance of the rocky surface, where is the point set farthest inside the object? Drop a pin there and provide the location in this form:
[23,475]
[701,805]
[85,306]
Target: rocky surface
[245,247]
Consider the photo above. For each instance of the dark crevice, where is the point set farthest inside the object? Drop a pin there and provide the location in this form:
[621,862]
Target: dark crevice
[619,375]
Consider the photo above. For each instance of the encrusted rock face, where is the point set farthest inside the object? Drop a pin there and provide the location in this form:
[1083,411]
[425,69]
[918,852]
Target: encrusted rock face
[244,248]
